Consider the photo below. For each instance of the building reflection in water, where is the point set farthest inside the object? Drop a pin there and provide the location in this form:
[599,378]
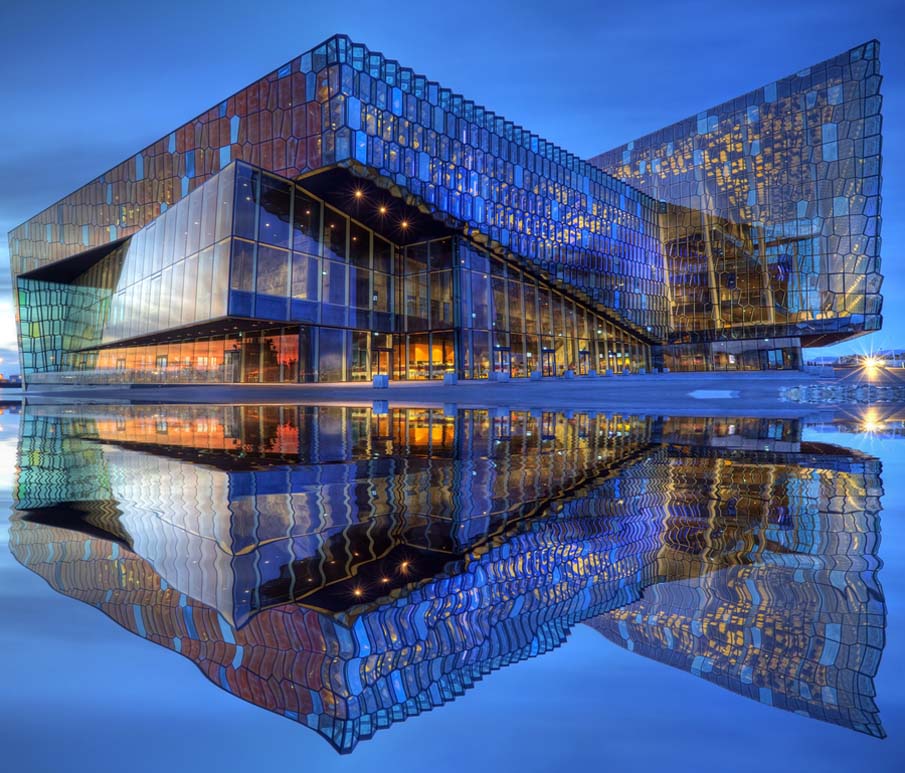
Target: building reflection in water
[349,568]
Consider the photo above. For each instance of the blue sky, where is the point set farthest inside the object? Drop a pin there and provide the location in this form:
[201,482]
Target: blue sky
[84,85]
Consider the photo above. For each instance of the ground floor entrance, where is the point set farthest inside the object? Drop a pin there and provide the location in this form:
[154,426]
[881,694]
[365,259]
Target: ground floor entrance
[548,362]
[744,355]
[383,362]
[309,353]
[502,360]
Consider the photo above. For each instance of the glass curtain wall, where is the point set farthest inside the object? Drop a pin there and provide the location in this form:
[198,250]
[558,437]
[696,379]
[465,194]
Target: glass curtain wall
[297,259]
[427,309]
[269,356]
[340,302]
[175,268]
[375,307]
[766,354]
[168,275]
[772,219]
[515,324]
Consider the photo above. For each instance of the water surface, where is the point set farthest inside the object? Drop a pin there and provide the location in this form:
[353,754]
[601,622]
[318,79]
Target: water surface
[356,588]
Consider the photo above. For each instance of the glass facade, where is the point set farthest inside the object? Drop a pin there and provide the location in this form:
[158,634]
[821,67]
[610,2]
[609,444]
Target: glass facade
[771,222]
[761,354]
[298,291]
[756,220]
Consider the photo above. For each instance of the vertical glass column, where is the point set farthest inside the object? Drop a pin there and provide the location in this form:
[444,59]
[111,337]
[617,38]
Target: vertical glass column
[532,330]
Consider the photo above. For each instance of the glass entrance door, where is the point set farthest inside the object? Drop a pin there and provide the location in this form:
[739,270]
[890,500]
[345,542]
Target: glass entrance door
[548,362]
[584,362]
[383,362]
[232,364]
[502,360]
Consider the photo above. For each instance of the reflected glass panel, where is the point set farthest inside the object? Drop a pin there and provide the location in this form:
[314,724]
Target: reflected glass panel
[181,234]
[443,354]
[382,292]
[334,282]
[419,357]
[166,295]
[480,352]
[334,237]
[204,284]
[196,208]
[226,191]
[441,299]
[189,286]
[480,299]
[416,301]
[244,223]
[359,246]
[250,357]
[274,215]
[500,303]
[359,288]
[306,223]
[331,357]
[441,254]
[210,207]
[383,255]
[546,310]
[169,230]
[360,356]
[305,276]
[273,271]
[271,358]
[243,265]
[176,290]
[219,279]
[289,357]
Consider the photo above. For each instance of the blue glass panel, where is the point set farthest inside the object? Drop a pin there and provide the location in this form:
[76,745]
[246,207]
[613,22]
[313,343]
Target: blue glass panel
[271,307]
[334,315]
[246,201]
[275,207]
[361,147]
[353,112]
[306,223]
[241,303]
[304,311]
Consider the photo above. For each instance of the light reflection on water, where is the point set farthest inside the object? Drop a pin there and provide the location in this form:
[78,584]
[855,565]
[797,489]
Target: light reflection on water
[350,568]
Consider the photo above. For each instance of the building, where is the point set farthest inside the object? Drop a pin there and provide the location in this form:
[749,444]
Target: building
[344,217]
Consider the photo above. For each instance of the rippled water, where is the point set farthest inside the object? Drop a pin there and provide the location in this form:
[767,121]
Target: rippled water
[363,588]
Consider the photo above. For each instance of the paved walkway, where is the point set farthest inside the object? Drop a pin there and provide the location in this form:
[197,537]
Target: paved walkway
[677,394]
